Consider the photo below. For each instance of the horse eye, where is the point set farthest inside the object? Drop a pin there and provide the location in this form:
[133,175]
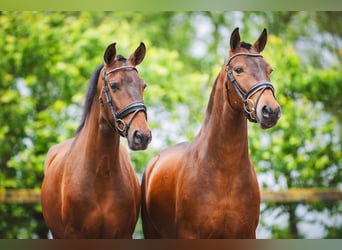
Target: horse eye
[144,86]
[238,70]
[114,86]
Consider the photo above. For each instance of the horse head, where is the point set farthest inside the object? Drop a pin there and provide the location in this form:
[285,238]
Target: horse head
[123,89]
[249,74]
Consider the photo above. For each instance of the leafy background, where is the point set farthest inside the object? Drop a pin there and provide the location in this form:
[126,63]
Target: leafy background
[46,59]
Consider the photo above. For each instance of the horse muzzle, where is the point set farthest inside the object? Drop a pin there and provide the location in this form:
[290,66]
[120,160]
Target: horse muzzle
[268,117]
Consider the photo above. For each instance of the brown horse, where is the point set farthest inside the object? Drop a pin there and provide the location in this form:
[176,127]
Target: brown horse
[208,188]
[90,189]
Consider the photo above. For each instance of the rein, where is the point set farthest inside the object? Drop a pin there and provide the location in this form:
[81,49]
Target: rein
[119,124]
[245,97]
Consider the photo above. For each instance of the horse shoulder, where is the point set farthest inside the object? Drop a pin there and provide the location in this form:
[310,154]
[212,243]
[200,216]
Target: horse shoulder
[163,167]
[160,185]
[56,150]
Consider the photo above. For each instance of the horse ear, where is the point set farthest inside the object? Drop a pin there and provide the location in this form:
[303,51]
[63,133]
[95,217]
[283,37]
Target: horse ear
[138,56]
[110,53]
[261,42]
[235,39]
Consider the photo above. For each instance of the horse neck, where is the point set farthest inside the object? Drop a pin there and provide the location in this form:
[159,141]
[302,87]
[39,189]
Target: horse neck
[224,130]
[98,139]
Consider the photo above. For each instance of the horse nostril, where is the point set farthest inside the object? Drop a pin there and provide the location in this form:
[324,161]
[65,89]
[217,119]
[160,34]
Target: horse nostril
[266,111]
[137,137]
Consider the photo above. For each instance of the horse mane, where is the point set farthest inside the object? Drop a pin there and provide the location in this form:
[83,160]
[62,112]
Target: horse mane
[211,100]
[121,58]
[91,92]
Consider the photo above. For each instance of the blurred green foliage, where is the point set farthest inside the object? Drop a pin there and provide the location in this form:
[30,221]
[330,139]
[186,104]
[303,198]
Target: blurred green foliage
[47,59]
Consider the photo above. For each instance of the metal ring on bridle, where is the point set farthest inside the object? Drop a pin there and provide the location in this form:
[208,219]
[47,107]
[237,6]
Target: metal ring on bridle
[245,97]
[119,124]
[247,109]
[123,125]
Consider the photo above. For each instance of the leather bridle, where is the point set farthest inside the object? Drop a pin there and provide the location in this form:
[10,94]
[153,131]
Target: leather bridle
[119,124]
[245,97]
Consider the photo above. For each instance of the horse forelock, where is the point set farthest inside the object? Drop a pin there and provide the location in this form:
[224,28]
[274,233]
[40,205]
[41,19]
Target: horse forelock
[121,58]
[246,45]
[91,92]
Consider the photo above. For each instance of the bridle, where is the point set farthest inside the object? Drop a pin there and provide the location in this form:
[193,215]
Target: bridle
[245,97]
[119,124]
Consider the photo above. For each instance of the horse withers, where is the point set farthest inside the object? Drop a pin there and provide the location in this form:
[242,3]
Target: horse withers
[208,188]
[90,189]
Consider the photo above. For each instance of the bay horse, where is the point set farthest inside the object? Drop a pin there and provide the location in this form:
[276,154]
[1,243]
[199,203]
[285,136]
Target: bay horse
[90,189]
[208,188]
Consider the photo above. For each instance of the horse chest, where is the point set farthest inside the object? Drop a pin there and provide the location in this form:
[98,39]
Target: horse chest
[217,210]
[100,202]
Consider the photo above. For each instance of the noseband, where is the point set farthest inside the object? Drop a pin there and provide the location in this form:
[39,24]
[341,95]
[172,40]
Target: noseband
[245,97]
[119,124]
